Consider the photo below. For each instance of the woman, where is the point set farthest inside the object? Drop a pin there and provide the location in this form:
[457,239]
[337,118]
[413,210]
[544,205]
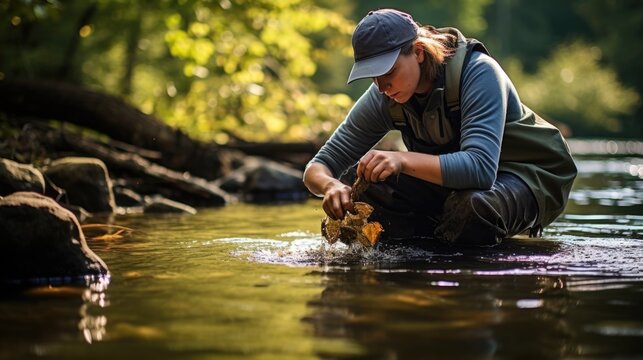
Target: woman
[481,166]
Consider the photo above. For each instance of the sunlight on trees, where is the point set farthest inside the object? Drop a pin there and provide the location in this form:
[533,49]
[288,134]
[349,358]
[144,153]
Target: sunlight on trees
[276,70]
[249,70]
[573,87]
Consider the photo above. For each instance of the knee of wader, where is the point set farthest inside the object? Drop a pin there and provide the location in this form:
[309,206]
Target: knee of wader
[403,227]
[471,218]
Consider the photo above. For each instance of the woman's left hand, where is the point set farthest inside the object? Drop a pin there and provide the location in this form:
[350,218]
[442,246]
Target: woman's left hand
[378,165]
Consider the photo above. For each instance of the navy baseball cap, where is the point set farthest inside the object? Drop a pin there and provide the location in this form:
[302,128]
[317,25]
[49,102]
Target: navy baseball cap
[378,40]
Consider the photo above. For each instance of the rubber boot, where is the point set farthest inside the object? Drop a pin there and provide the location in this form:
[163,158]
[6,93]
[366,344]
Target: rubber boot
[485,217]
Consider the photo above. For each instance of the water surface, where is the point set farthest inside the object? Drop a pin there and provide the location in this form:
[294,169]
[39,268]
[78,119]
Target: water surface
[256,282]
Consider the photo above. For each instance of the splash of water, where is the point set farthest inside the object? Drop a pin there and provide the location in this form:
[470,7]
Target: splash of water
[313,251]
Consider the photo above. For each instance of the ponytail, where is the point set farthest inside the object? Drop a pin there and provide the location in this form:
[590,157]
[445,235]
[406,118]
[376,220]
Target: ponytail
[437,46]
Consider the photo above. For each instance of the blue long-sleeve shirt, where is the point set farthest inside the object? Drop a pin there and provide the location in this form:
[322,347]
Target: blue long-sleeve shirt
[488,101]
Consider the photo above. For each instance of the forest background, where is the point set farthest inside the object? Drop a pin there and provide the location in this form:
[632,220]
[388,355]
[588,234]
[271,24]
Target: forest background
[275,70]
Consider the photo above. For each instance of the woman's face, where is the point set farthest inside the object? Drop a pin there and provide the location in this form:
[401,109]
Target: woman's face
[403,80]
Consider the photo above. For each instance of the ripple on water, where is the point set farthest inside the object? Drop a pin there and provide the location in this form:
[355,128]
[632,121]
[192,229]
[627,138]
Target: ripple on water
[562,254]
[577,245]
[312,250]
[585,256]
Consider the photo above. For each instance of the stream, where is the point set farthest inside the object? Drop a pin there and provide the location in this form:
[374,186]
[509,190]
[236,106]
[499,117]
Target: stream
[257,282]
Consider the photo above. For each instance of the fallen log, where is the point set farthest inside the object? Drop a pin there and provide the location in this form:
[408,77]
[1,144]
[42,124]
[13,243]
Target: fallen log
[295,154]
[149,178]
[130,129]
[113,117]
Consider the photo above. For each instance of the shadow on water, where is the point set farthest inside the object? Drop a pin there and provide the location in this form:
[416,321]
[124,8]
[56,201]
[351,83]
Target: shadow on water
[430,301]
[563,295]
[476,303]
[416,314]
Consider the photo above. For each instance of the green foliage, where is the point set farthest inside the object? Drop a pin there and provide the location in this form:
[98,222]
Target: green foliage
[213,69]
[249,67]
[24,53]
[529,31]
[245,70]
[249,63]
[617,27]
[467,15]
[276,70]
[31,10]
[574,88]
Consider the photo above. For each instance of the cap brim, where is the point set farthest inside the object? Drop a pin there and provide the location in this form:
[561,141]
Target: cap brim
[373,66]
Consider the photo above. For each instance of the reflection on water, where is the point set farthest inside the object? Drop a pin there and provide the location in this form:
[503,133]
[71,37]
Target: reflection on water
[38,319]
[258,282]
[614,184]
[93,326]
[410,315]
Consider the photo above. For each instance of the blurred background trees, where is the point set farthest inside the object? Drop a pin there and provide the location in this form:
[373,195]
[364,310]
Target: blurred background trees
[275,70]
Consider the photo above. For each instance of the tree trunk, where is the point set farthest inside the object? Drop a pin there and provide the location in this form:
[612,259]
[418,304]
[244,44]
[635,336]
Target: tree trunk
[131,49]
[113,117]
[72,47]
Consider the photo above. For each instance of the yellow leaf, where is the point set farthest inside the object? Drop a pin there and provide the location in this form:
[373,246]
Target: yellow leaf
[372,232]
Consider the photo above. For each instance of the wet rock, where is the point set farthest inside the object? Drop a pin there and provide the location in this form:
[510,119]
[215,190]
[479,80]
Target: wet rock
[85,181]
[261,181]
[159,204]
[233,183]
[40,239]
[19,177]
[126,197]
[80,213]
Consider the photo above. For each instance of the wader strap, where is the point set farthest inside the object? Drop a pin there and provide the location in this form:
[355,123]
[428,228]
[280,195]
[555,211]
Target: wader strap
[397,113]
[453,73]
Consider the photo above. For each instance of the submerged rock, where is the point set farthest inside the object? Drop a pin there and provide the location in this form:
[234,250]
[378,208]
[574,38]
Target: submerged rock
[42,240]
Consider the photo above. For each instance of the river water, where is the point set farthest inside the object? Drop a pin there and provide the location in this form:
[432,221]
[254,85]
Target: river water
[256,282]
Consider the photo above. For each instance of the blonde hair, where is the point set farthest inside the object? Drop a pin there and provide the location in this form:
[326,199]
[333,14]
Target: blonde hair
[437,46]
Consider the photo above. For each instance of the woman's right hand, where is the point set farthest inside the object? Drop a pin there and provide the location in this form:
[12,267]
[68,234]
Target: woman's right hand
[337,195]
[337,199]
